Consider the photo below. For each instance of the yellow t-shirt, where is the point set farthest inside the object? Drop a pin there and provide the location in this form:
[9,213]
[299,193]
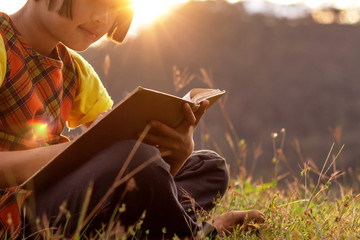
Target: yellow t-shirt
[3,60]
[91,97]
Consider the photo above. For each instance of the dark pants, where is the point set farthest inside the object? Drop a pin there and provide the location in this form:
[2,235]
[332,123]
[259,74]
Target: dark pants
[204,178]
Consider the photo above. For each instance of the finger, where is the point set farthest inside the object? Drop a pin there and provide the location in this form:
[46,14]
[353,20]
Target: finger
[160,131]
[164,130]
[191,118]
[201,110]
[189,114]
[157,142]
[162,143]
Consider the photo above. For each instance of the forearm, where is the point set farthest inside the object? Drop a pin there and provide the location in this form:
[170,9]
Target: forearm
[175,165]
[17,166]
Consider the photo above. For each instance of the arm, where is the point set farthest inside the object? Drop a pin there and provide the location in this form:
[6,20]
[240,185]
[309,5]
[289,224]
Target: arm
[17,166]
[179,141]
[92,98]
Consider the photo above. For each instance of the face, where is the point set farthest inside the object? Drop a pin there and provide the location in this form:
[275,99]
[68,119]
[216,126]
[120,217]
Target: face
[91,19]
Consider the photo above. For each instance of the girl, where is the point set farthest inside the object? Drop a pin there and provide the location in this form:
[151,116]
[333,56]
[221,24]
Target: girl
[44,84]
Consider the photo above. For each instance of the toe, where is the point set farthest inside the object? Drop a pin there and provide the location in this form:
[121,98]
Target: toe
[256,216]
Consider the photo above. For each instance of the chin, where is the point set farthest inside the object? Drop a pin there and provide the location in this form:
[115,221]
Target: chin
[78,48]
[79,45]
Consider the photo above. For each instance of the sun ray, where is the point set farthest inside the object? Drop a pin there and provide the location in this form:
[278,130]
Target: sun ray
[147,11]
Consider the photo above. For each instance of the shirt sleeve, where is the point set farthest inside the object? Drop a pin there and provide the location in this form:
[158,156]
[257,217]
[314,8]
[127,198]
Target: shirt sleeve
[3,60]
[91,98]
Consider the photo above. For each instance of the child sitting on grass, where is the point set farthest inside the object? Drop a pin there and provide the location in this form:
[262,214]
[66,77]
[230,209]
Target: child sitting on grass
[45,84]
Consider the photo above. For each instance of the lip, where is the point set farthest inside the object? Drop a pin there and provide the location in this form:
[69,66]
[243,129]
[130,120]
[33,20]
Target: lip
[92,33]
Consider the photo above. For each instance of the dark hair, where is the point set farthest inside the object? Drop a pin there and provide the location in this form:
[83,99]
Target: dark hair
[121,26]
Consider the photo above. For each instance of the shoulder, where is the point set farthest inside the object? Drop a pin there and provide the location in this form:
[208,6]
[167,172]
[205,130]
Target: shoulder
[4,21]
[3,56]
[82,66]
[74,62]
[6,26]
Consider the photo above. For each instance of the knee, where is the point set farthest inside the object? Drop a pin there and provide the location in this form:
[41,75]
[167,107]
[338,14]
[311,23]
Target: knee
[214,164]
[220,169]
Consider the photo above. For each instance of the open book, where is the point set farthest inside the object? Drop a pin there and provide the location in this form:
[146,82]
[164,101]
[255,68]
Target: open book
[124,121]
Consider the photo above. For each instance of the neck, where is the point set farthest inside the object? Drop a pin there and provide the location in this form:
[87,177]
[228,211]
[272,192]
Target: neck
[29,24]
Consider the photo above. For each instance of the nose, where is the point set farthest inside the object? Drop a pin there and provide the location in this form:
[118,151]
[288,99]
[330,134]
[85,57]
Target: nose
[101,16]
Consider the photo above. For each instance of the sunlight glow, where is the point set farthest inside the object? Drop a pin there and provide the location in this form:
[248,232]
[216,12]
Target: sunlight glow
[11,6]
[233,1]
[344,4]
[324,17]
[284,2]
[147,11]
[349,17]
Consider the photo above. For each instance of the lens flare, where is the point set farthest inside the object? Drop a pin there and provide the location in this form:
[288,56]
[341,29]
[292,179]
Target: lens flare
[39,130]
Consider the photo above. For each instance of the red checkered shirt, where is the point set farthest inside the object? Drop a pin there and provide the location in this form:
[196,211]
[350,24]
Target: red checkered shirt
[11,200]
[36,95]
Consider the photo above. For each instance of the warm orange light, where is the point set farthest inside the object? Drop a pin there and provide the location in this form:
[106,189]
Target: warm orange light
[146,11]
[324,17]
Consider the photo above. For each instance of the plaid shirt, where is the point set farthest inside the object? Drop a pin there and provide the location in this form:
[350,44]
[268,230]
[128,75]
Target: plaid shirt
[11,200]
[36,95]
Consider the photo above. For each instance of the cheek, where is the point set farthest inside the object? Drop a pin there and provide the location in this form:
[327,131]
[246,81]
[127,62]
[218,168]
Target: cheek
[56,23]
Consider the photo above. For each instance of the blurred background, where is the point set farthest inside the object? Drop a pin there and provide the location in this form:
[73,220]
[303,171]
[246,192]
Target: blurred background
[291,65]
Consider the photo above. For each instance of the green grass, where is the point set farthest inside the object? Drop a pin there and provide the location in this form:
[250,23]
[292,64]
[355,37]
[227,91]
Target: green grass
[288,215]
[301,207]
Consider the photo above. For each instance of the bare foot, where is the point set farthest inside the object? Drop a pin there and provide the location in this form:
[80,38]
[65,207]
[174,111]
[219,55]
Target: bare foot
[227,222]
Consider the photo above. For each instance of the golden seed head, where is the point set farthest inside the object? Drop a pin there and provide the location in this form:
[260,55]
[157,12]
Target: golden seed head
[274,135]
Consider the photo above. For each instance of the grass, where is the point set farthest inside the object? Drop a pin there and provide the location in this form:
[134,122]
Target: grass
[303,209]
[291,216]
[296,205]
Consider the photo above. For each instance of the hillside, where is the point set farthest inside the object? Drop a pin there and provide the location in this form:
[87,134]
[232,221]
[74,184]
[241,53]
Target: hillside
[292,74]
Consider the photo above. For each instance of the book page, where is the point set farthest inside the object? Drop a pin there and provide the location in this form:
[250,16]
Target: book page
[197,95]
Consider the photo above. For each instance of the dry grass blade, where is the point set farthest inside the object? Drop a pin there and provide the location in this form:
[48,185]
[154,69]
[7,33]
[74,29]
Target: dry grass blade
[318,228]
[84,210]
[322,173]
[181,79]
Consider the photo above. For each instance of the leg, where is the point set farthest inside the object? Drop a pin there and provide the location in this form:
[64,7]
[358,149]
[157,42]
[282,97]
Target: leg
[204,177]
[155,192]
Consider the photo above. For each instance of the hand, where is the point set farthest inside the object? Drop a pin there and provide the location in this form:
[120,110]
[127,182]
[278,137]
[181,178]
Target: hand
[178,141]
